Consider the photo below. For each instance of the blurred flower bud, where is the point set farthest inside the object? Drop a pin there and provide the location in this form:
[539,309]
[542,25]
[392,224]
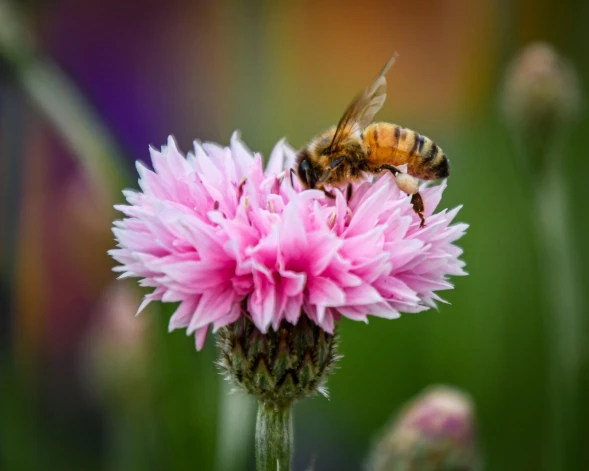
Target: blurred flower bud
[434,432]
[278,367]
[116,361]
[540,92]
[86,211]
[15,40]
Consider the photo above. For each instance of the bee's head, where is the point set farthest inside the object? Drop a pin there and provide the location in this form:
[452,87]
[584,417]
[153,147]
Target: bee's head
[305,171]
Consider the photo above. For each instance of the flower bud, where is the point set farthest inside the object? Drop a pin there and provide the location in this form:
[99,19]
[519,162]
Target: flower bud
[116,351]
[16,43]
[435,431]
[281,366]
[540,91]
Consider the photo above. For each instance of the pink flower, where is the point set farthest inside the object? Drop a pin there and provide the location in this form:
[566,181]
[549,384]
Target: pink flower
[217,234]
[435,430]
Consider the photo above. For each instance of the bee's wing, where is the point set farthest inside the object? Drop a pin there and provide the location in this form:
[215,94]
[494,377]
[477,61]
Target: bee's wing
[361,111]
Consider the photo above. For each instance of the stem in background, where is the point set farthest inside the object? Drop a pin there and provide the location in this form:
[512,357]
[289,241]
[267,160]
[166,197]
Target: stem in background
[11,168]
[235,430]
[72,116]
[563,320]
[63,104]
[274,437]
[541,97]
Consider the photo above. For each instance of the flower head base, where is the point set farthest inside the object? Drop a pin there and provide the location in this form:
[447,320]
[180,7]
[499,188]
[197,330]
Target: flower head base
[217,234]
[434,431]
[281,366]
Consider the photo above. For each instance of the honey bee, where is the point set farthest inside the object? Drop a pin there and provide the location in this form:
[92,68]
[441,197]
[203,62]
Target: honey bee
[345,152]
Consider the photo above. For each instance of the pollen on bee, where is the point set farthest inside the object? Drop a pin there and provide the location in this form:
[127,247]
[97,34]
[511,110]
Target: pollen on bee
[407,183]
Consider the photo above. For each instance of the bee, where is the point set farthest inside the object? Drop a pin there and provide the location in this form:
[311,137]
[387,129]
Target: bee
[354,147]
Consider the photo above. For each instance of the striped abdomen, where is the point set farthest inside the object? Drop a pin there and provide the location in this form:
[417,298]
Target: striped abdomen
[394,145]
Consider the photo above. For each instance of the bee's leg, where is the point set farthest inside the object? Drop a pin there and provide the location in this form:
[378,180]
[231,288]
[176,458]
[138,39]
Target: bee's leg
[328,193]
[393,169]
[291,174]
[349,192]
[418,207]
[333,164]
[416,199]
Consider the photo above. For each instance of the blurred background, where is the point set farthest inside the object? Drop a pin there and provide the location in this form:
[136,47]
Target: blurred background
[85,87]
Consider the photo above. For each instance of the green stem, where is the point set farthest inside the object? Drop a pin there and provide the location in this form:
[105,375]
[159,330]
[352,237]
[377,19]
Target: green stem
[56,96]
[274,438]
[234,433]
[564,321]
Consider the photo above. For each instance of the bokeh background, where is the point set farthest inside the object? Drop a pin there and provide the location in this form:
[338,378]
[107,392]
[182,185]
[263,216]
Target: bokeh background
[86,385]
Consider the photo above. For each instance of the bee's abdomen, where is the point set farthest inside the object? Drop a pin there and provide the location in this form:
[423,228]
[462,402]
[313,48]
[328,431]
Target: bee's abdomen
[429,162]
[395,145]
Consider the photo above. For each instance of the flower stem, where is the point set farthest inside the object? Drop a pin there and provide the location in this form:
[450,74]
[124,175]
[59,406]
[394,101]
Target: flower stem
[236,418]
[62,102]
[274,437]
[564,321]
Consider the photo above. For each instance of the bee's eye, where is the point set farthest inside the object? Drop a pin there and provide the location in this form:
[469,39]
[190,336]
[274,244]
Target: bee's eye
[305,173]
[301,173]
